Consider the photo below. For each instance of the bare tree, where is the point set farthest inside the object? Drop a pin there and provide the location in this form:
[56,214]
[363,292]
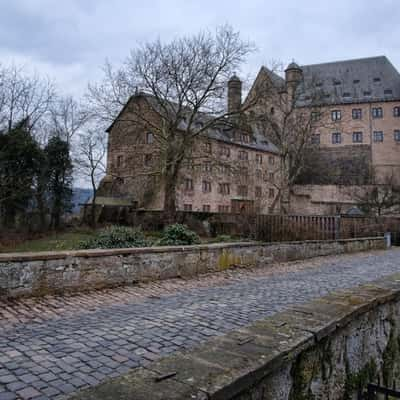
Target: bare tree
[183,90]
[91,152]
[378,199]
[23,97]
[66,118]
[290,113]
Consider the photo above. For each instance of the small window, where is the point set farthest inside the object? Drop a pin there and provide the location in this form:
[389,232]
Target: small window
[258,158]
[327,95]
[396,112]
[206,186]
[206,208]
[258,174]
[336,138]
[316,138]
[245,138]
[223,209]
[120,161]
[271,160]
[225,151]
[336,82]
[377,112]
[242,190]
[356,113]
[258,191]
[271,176]
[187,207]
[271,193]
[336,115]
[224,188]
[388,92]
[367,93]
[355,81]
[377,79]
[357,137]
[243,155]
[207,166]
[346,94]
[378,136]
[207,147]
[188,184]
[315,116]
[148,159]
[397,136]
[149,138]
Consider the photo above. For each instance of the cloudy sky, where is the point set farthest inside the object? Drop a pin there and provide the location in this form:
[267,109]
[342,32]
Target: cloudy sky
[69,40]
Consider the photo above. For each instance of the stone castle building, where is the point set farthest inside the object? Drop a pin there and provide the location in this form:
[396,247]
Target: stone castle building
[229,169]
[356,141]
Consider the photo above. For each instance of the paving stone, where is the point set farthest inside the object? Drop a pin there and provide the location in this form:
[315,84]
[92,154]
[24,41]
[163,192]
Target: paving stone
[28,393]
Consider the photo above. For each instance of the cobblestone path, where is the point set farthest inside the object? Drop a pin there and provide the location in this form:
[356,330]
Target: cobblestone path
[56,345]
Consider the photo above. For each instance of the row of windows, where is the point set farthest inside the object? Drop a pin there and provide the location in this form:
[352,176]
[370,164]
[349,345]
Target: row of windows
[356,113]
[357,137]
[225,188]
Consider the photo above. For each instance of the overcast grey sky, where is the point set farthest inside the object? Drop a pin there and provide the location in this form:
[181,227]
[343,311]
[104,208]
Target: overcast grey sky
[69,40]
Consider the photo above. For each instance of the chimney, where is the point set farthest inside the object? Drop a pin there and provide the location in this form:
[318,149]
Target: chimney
[234,94]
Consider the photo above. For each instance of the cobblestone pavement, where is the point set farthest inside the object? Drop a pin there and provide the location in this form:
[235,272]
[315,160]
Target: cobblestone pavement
[56,345]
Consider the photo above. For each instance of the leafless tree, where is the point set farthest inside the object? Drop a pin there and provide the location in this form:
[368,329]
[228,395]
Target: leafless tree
[66,118]
[380,198]
[184,90]
[23,96]
[290,114]
[89,160]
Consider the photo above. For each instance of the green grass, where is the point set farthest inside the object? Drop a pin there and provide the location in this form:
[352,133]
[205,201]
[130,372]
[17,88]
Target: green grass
[54,242]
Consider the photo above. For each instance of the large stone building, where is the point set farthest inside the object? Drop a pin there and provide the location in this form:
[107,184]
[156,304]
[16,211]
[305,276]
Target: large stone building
[357,130]
[229,168]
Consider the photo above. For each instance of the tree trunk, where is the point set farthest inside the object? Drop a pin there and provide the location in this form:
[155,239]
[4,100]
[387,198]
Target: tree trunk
[170,199]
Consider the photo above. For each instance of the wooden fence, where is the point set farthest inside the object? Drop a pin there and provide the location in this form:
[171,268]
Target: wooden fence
[278,228]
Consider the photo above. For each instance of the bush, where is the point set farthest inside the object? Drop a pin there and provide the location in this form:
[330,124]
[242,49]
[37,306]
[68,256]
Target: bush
[178,235]
[116,237]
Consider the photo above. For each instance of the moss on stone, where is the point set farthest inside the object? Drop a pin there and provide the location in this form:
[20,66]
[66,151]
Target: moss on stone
[391,360]
[356,382]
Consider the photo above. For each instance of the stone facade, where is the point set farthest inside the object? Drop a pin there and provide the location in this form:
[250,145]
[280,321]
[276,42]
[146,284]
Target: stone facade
[356,132]
[37,274]
[225,170]
[330,348]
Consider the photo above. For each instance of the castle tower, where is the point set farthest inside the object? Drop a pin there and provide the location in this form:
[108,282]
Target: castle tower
[293,76]
[234,94]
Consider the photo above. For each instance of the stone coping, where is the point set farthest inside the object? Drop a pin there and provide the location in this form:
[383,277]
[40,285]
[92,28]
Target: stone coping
[56,255]
[226,366]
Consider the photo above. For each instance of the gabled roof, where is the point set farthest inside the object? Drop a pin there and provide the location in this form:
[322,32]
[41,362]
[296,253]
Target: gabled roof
[351,81]
[222,131]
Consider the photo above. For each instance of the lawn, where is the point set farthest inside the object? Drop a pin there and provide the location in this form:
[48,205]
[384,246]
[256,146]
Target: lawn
[54,242]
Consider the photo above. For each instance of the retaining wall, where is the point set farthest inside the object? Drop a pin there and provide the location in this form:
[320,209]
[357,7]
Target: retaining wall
[35,274]
[328,349]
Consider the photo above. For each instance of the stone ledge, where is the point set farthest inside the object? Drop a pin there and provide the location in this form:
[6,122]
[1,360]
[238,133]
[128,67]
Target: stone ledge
[225,367]
[58,255]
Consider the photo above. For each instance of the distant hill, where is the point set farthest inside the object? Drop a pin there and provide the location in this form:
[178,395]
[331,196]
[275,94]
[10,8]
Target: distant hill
[80,196]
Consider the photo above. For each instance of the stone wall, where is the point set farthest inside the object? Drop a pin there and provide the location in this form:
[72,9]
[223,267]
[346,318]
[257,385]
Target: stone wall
[27,274]
[330,348]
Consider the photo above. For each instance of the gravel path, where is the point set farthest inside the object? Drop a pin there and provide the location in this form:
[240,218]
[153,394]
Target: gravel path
[59,344]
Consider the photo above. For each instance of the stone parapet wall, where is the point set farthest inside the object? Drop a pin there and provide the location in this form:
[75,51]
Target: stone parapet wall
[35,274]
[330,348]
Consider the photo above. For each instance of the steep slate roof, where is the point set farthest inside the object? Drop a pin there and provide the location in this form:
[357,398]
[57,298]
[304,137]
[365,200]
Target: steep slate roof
[351,81]
[221,131]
